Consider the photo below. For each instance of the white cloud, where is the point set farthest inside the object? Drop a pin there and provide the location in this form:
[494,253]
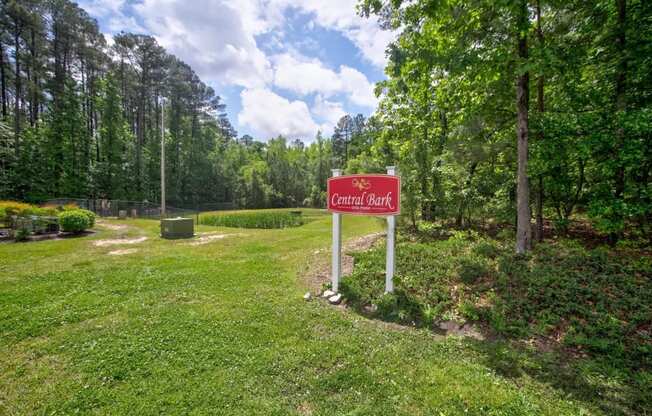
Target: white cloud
[358,86]
[269,114]
[328,111]
[305,76]
[215,37]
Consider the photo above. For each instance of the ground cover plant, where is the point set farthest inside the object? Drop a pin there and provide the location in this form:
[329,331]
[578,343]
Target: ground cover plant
[594,302]
[222,328]
[254,219]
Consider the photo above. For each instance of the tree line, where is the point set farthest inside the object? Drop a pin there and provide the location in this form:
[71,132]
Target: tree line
[521,110]
[81,117]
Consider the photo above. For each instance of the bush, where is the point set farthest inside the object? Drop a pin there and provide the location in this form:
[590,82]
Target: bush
[21,234]
[90,215]
[471,269]
[76,221]
[261,219]
[9,208]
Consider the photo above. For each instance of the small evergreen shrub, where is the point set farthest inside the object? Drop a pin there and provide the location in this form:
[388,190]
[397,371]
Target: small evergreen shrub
[76,221]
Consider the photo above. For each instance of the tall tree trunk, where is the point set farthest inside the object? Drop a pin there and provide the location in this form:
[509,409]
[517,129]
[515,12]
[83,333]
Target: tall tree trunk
[3,82]
[422,157]
[18,90]
[523,227]
[541,109]
[621,106]
[34,101]
[464,202]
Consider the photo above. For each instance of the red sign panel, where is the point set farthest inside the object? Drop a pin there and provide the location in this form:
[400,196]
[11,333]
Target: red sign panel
[365,194]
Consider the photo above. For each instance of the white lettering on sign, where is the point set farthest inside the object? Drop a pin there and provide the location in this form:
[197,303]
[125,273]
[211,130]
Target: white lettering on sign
[364,199]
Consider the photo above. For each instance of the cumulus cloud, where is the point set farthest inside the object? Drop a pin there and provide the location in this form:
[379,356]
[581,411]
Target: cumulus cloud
[305,76]
[220,39]
[327,111]
[211,36]
[269,114]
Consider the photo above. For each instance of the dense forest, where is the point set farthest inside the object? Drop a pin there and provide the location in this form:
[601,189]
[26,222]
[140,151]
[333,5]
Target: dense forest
[535,109]
[520,112]
[81,117]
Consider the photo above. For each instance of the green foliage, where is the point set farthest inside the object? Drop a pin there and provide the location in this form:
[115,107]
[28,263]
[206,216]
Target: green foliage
[472,268]
[259,219]
[594,300]
[21,234]
[76,221]
[447,115]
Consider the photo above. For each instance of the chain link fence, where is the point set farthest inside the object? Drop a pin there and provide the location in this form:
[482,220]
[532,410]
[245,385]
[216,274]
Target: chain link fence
[137,209]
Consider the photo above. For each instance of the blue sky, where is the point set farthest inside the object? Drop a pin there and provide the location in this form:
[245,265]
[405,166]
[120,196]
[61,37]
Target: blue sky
[288,67]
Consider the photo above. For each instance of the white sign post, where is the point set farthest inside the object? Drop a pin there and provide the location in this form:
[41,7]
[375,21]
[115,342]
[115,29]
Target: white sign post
[389,259]
[337,245]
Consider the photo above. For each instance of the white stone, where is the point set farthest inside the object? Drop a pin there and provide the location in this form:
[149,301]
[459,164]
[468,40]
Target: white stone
[328,293]
[307,296]
[335,299]
[371,308]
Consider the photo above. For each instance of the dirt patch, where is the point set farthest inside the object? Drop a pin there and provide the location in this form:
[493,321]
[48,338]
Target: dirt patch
[320,271]
[119,241]
[113,227]
[460,330]
[123,252]
[205,238]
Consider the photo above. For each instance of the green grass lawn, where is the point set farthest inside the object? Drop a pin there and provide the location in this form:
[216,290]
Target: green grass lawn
[222,328]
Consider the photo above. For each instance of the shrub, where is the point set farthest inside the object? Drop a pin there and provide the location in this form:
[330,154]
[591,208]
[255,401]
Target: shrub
[262,219]
[9,208]
[471,269]
[21,234]
[76,221]
[90,215]
[69,207]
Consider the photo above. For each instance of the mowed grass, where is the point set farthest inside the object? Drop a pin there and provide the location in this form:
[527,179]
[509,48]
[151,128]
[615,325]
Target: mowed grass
[222,328]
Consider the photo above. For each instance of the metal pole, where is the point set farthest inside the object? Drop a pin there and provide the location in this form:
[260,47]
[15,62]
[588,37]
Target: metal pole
[389,258]
[162,158]
[337,245]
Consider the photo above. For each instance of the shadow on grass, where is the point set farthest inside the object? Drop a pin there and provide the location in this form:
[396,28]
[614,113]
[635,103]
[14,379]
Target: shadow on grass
[610,388]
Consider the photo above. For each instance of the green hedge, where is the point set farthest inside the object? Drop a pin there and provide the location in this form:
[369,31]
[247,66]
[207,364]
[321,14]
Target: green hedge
[76,220]
[274,219]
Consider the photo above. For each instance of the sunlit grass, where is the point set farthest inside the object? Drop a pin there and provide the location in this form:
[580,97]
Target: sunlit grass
[222,328]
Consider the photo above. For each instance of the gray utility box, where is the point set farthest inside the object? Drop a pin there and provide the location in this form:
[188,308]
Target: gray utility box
[172,228]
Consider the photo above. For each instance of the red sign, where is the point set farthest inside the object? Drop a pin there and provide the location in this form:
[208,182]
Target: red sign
[365,194]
